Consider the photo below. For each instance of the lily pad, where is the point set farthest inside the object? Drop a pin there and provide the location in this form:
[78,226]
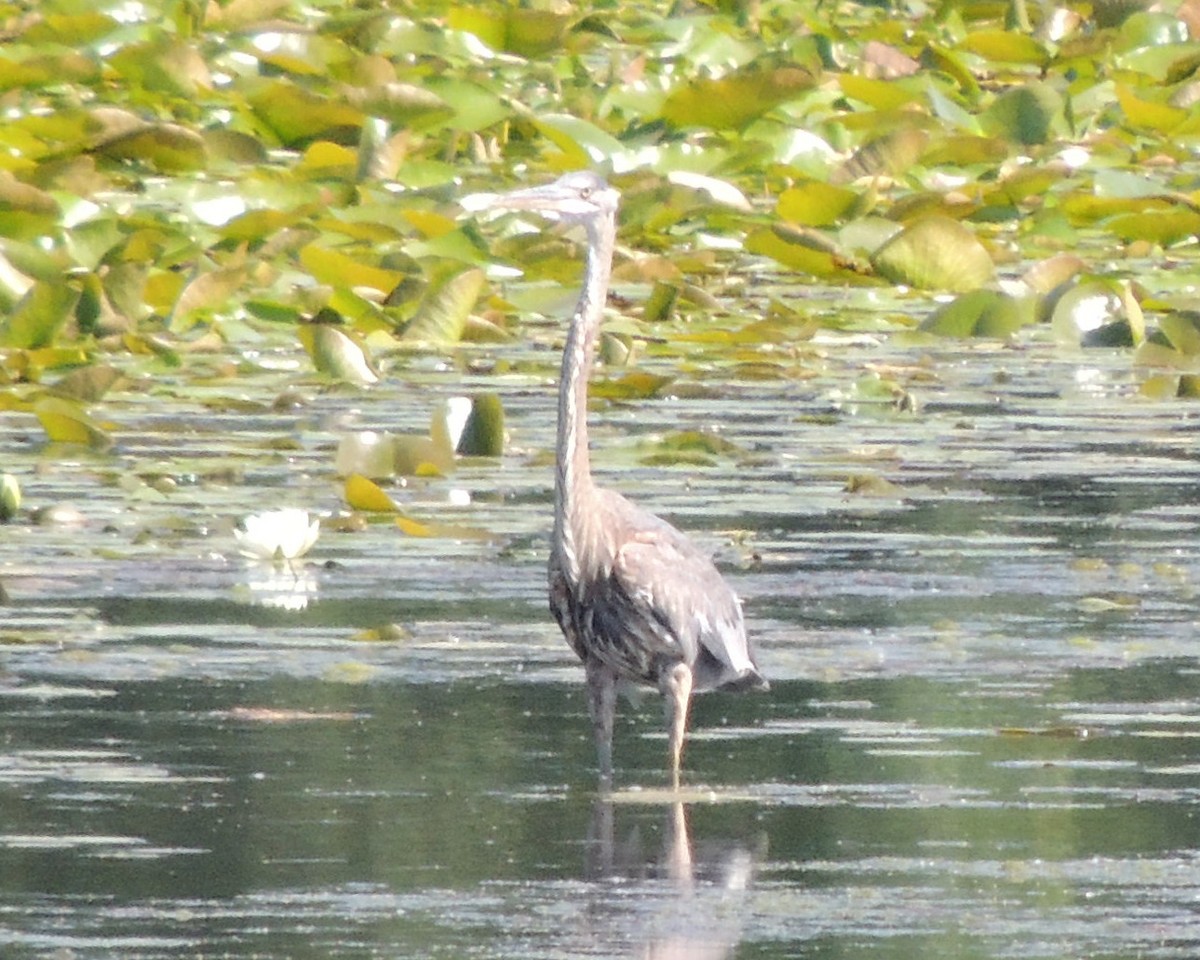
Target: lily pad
[337,353]
[364,494]
[442,314]
[39,316]
[1098,313]
[732,101]
[980,313]
[1028,114]
[525,32]
[483,433]
[935,253]
[68,422]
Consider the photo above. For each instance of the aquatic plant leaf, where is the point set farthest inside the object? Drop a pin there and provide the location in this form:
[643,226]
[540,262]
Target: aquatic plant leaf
[875,93]
[815,204]
[475,107]
[242,13]
[414,528]
[714,189]
[68,29]
[980,313]
[366,495]
[442,314]
[402,104]
[1162,227]
[635,385]
[206,293]
[13,284]
[167,147]
[417,456]
[449,420]
[1183,330]
[935,253]
[1098,313]
[164,65]
[297,115]
[66,421]
[1152,30]
[323,158]
[1142,114]
[336,353]
[892,154]
[523,31]
[949,62]
[88,384]
[483,433]
[872,485]
[794,250]
[701,441]
[583,142]
[732,101]
[1050,274]
[18,196]
[342,270]
[1005,46]
[661,303]
[367,452]
[10,497]
[39,315]
[1027,114]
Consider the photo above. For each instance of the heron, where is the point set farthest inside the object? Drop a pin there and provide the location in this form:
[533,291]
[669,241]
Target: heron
[639,602]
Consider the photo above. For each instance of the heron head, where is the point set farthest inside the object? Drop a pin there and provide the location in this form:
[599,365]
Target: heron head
[579,197]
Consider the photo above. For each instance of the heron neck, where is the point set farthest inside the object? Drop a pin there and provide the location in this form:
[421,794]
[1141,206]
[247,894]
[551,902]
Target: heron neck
[574,473]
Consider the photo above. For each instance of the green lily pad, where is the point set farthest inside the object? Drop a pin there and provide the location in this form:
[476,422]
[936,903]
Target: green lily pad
[1028,114]
[297,115]
[66,421]
[402,104]
[815,204]
[168,147]
[483,434]
[39,315]
[732,101]
[1183,331]
[935,253]
[443,312]
[1098,313]
[980,313]
[525,32]
[891,155]
[795,249]
[337,353]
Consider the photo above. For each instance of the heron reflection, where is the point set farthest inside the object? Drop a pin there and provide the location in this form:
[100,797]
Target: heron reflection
[695,904]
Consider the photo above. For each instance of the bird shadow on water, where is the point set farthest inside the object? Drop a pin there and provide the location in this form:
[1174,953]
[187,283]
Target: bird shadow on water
[690,896]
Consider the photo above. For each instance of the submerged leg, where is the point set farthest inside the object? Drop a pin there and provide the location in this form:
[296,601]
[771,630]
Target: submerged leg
[676,685]
[602,707]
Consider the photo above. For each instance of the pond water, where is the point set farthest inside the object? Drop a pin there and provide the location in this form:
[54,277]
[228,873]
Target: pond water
[977,613]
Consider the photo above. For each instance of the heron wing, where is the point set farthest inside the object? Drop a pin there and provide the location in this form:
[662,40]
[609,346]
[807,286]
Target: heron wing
[667,602]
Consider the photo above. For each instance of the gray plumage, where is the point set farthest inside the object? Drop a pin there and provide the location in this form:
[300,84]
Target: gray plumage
[636,599]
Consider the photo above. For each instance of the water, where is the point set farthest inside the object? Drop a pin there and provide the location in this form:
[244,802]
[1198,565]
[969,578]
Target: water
[978,619]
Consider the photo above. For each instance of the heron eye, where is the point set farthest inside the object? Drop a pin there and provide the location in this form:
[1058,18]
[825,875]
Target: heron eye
[585,192]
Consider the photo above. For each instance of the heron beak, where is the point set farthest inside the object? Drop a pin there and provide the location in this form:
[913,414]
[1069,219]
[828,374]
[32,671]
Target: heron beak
[551,201]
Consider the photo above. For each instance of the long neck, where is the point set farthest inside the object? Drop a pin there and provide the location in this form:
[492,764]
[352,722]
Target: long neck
[573,480]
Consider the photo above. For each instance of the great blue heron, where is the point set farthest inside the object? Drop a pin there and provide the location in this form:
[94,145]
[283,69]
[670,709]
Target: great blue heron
[637,600]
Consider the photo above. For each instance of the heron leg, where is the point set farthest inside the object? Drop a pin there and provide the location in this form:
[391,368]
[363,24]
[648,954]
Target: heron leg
[602,707]
[676,686]
[678,855]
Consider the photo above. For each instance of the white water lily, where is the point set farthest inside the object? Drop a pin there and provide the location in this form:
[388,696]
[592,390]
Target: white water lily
[277,534]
